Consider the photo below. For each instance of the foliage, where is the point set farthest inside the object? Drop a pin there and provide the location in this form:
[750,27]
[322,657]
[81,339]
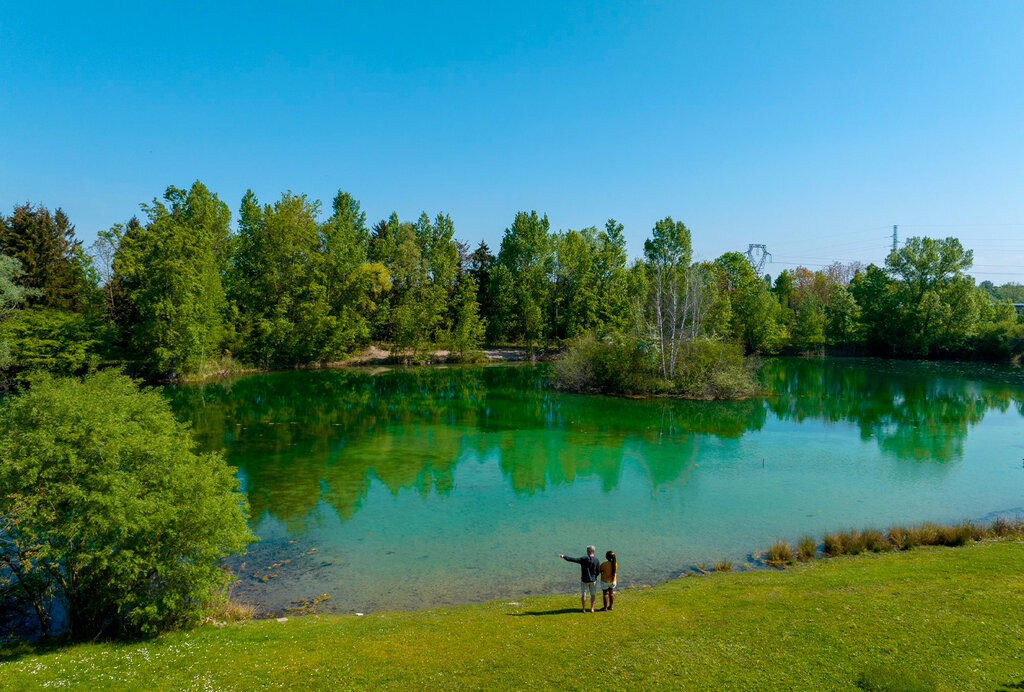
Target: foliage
[522,287]
[1011,291]
[172,273]
[756,316]
[52,260]
[95,477]
[12,296]
[614,364]
[54,340]
[619,364]
[467,333]
[181,292]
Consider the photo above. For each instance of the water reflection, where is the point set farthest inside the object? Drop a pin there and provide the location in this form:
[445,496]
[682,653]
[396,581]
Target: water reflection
[301,438]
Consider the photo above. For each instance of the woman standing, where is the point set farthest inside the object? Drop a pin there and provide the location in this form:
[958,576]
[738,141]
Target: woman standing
[609,569]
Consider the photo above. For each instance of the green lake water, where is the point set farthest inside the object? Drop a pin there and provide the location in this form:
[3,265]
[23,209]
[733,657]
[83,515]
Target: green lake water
[408,488]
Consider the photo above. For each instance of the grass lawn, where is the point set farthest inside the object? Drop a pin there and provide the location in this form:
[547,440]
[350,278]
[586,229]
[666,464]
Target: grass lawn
[931,618]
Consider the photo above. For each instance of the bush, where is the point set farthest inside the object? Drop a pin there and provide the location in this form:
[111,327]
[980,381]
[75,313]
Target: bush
[805,549]
[779,554]
[618,364]
[108,509]
[613,365]
[713,369]
[61,342]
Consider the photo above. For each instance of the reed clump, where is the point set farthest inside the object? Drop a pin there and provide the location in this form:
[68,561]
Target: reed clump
[723,566]
[874,541]
[897,538]
[779,554]
[806,549]
[833,545]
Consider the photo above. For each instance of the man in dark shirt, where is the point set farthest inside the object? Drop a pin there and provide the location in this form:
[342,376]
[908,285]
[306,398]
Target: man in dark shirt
[590,567]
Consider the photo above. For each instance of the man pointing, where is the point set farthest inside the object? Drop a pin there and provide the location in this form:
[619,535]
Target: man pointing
[590,567]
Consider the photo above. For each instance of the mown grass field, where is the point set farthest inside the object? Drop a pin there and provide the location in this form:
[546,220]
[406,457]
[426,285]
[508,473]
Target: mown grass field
[931,618]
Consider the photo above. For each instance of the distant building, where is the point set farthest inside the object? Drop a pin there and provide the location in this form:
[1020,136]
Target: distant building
[1019,307]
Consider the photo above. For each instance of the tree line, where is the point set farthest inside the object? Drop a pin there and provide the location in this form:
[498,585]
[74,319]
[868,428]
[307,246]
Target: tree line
[180,289]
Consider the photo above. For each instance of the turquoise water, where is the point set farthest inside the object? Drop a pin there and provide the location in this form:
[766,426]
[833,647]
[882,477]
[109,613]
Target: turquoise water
[406,488]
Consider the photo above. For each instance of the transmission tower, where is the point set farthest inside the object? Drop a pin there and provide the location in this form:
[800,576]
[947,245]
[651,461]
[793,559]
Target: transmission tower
[895,238]
[757,255]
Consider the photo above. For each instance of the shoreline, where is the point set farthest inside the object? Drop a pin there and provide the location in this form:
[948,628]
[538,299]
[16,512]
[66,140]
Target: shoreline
[375,355]
[832,624]
[999,525]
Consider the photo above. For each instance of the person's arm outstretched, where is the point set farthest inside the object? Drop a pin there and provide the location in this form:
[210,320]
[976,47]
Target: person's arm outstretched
[577,560]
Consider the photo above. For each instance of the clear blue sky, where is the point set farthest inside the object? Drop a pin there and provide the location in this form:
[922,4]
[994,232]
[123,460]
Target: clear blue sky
[810,126]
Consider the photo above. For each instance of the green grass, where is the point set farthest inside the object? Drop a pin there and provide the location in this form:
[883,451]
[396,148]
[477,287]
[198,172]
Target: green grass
[945,618]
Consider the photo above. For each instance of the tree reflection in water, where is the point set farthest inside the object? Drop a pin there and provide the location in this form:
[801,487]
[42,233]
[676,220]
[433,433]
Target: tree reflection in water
[305,437]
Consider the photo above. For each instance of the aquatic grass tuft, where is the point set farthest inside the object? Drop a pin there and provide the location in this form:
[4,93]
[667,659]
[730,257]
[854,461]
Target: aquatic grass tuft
[904,537]
[231,611]
[806,549]
[874,541]
[929,533]
[1001,527]
[779,554]
[723,566]
[833,544]
[852,542]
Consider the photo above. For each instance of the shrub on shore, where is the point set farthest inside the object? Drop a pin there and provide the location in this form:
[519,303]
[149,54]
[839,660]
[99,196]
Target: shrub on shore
[619,364]
[94,475]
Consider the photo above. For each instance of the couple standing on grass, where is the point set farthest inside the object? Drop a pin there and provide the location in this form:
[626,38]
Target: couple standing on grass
[590,570]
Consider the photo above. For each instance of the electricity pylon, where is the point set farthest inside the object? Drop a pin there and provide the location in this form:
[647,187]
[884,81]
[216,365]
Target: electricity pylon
[757,259]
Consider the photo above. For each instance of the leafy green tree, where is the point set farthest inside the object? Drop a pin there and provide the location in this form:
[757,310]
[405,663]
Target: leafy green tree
[527,256]
[171,269]
[936,304]
[51,257]
[478,265]
[419,304]
[842,317]
[875,293]
[502,297]
[809,324]
[1011,291]
[283,282]
[12,296]
[756,317]
[97,476]
[1000,334]
[614,309]
[575,298]
[468,330]
[675,307]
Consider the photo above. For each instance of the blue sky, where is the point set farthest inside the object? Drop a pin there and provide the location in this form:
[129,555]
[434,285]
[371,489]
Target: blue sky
[812,127]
